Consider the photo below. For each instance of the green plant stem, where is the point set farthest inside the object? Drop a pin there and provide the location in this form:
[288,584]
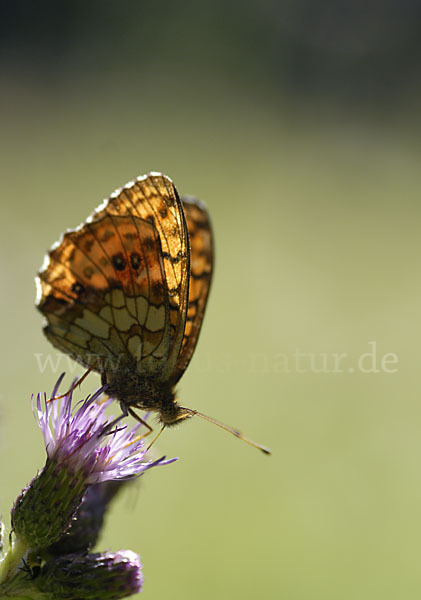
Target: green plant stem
[12,559]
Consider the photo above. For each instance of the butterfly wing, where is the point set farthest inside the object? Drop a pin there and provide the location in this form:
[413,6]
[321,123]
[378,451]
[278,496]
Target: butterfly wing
[117,287]
[201,268]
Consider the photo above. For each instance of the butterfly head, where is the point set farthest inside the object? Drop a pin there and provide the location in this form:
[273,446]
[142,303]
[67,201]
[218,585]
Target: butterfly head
[171,412]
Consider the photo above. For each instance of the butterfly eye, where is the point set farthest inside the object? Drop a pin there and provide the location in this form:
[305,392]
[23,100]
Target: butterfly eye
[135,260]
[118,262]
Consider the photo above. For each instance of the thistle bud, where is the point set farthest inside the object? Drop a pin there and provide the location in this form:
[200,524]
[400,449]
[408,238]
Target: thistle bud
[106,576]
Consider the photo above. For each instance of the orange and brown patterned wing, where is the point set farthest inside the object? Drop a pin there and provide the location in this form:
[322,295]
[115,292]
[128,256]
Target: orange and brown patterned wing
[117,286]
[201,268]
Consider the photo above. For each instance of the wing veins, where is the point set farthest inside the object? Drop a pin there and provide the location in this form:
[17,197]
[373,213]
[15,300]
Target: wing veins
[166,330]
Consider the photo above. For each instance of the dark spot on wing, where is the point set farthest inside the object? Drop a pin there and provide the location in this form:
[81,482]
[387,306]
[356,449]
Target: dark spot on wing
[107,235]
[130,235]
[174,259]
[149,243]
[77,288]
[135,260]
[87,246]
[119,262]
[157,288]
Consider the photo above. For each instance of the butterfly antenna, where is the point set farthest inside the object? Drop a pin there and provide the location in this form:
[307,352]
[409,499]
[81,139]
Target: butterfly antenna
[237,434]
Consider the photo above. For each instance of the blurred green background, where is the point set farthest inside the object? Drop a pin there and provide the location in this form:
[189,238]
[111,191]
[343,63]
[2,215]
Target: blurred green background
[298,124]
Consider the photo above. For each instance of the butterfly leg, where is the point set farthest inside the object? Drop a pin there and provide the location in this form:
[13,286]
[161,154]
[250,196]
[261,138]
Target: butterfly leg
[156,437]
[131,412]
[74,386]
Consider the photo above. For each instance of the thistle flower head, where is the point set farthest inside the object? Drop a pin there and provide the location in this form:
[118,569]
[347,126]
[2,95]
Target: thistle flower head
[84,447]
[86,440]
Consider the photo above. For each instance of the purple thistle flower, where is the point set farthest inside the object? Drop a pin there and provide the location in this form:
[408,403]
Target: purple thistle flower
[87,440]
[84,447]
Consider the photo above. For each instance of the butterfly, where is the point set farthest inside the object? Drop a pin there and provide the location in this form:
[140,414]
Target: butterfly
[125,293]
